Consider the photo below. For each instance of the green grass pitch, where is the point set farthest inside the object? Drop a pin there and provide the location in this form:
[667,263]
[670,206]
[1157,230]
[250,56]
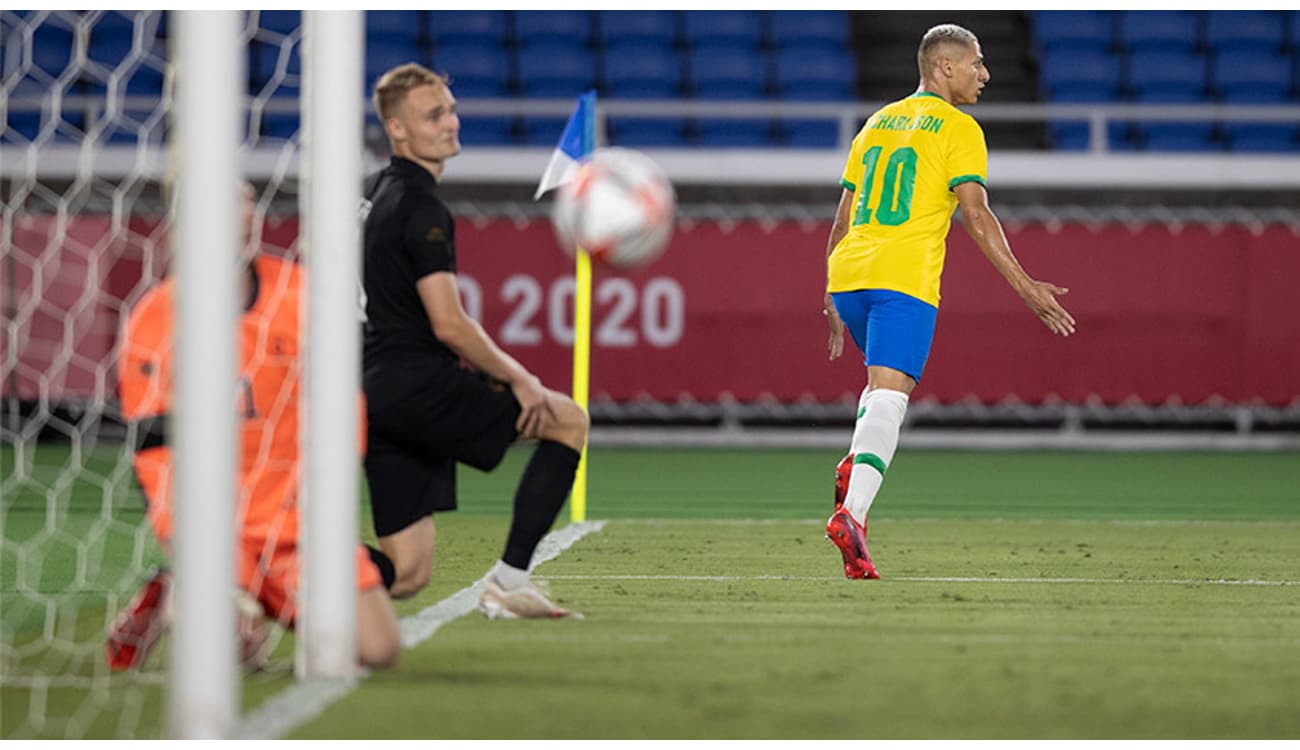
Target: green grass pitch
[1025,595]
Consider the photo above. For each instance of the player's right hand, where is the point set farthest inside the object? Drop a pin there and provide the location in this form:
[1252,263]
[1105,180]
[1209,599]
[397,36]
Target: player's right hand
[835,341]
[1041,298]
[534,406]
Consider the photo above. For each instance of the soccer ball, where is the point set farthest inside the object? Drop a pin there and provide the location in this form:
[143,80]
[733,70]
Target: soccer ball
[619,208]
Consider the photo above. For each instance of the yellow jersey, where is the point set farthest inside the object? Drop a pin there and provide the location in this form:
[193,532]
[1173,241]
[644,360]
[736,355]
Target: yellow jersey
[902,169]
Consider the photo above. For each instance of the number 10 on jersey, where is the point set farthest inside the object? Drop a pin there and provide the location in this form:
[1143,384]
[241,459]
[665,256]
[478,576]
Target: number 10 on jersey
[894,204]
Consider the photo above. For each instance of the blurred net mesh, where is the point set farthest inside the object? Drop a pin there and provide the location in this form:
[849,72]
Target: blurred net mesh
[84,104]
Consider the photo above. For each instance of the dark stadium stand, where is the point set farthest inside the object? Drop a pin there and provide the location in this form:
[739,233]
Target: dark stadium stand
[1067,57]
[1171,57]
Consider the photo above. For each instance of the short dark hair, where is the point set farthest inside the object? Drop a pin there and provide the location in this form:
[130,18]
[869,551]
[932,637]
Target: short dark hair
[394,85]
[939,36]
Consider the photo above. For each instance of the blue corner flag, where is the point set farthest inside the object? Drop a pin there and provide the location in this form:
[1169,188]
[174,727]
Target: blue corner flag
[578,140]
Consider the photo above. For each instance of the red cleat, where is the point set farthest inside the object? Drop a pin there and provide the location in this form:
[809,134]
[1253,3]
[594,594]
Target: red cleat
[138,627]
[842,472]
[851,538]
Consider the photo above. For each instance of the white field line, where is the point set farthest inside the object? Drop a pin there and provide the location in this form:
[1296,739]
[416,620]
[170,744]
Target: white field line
[304,701]
[936,579]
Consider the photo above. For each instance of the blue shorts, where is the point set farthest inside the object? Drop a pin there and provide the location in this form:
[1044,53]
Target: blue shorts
[891,329]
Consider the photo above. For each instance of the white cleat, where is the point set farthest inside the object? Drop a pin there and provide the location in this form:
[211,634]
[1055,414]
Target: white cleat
[527,602]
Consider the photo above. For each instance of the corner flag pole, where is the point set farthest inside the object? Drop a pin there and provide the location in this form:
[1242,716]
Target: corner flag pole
[577,141]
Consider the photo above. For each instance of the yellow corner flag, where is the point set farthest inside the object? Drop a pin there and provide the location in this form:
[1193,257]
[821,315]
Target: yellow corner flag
[577,141]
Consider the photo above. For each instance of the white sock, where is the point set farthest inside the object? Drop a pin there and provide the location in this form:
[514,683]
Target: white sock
[509,577]
[875,437]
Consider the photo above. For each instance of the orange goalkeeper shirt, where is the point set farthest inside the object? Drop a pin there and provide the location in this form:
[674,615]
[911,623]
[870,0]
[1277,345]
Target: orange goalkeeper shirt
[267,400]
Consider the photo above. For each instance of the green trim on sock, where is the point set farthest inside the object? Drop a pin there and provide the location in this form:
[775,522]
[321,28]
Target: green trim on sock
[861,410]
[872,460]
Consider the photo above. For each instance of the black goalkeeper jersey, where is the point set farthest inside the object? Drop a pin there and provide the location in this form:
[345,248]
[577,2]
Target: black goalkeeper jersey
[409,233]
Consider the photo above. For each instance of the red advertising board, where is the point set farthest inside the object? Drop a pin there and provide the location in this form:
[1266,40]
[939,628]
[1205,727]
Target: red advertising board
[734,311]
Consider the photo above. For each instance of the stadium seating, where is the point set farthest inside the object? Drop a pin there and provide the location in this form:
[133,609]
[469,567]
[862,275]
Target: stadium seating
[639,70]
[1234,57]
[486,131]
[553,70]
[1159,31]
[1079,75]
[403,26]
[739,29]
[281,22]
[1256,31]
[1261,138]
[1245,76]
[474,70]
[640,132]
[1169,76]
[821,29]
[717,133]
[813,73]
[727,72]
[543,131]
[379,58]
[654,27]
[571,27]
[485,27]
[1074,31]
[809,133]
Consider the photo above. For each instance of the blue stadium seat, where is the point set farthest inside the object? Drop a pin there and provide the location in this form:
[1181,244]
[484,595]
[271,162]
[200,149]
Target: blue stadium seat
[1251,77]
[1174,135]
[716,28]
[1261,138]
[1073,31]
[475,70]
[487,131]
[25,123]
[638,133]
[51,49]
[283,125]
[810,133]
[1292,24]
[282,22]
[642,71]
[809,28]
[1079,76]
[383,26]
[115,54]
[810,73]
[714,133]
[635,26]
[556,26]
[1159,30]
[1178,137]
[1167,76]
[480,26]
[727,73]
[1230,30]
[380,58]
[543,131]
[1076,136]
[555,71]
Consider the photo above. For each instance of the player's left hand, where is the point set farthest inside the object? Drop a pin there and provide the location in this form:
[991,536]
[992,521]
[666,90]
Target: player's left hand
[534,407]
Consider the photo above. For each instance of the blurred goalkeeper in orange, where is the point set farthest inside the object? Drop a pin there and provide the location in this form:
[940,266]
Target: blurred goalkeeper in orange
[268,460]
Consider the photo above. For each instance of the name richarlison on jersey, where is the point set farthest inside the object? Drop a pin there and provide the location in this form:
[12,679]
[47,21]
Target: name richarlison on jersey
[902,122]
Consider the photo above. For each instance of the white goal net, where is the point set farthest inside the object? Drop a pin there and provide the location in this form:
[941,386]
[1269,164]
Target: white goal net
[85,129]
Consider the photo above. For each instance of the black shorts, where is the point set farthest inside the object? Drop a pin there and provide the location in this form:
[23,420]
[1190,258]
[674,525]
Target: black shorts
[413,444]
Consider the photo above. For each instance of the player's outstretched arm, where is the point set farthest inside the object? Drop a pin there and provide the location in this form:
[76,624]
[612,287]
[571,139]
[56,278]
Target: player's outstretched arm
[835,341]
[983,227]
[464,336]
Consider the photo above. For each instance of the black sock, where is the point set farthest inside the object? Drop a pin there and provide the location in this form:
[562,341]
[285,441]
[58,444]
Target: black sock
[543,488]
[385,565]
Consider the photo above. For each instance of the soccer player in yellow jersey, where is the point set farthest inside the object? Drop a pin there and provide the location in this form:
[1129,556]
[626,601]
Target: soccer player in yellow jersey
[914,161]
